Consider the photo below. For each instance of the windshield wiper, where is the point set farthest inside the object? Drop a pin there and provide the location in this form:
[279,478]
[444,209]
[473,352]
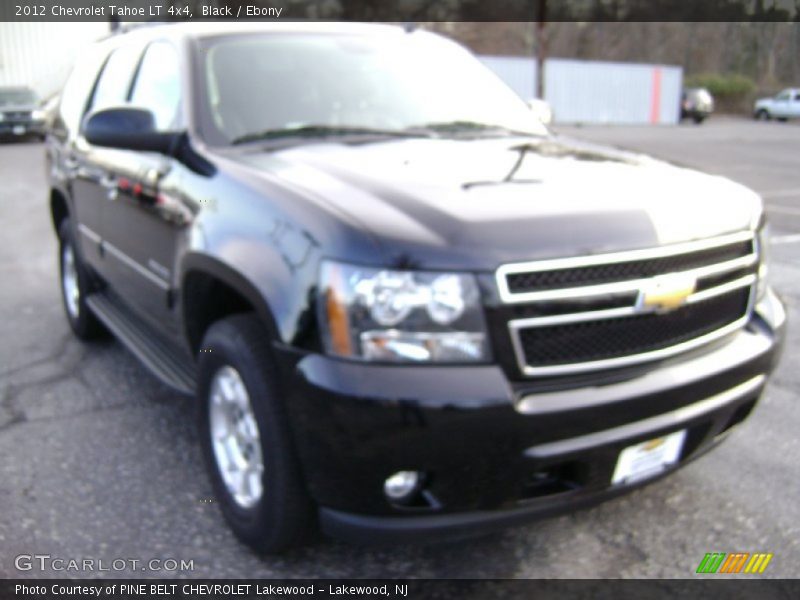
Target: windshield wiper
[469,127]
[320,131]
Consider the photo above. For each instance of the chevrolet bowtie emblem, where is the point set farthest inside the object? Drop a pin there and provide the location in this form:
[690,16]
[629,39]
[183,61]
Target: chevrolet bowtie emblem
[666,292]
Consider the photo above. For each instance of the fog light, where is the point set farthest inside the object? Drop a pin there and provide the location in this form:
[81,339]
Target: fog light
[401,485]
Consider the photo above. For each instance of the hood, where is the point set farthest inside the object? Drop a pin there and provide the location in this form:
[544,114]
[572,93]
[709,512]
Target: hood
[478,203]
[17,107]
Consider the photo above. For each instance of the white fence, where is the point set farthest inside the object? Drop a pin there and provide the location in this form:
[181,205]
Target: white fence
[40,55]
[595,91]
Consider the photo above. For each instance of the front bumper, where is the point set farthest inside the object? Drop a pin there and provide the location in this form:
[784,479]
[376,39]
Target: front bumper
[498,452]
[20,128]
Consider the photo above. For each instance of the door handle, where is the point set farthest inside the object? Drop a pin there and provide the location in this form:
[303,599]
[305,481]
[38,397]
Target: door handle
[109,182]
[71,165]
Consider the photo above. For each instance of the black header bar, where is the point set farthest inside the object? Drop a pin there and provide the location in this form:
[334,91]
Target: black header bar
[401,10]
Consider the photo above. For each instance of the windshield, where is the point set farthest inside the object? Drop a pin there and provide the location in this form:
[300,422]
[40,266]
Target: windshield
[17,97]
[255,84]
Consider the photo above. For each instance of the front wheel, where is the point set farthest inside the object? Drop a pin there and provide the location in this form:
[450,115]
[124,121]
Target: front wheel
[763,115]
[245,436]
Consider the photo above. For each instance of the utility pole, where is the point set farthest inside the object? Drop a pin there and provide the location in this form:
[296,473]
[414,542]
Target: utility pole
[541,46]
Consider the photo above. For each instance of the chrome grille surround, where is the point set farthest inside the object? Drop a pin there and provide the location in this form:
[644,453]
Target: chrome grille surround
[629,287]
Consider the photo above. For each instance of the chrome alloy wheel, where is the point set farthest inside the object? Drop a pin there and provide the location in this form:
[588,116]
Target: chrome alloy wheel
[69,281]
[235,437]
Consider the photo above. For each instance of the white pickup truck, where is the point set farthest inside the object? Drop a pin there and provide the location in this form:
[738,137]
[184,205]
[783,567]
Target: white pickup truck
[783,106]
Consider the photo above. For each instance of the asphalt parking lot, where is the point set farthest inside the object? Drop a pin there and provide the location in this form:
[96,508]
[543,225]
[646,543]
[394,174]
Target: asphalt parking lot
[98,460]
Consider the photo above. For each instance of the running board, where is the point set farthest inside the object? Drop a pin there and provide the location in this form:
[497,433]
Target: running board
[143,342]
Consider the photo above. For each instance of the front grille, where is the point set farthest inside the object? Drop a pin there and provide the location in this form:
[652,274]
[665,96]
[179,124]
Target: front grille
[17,116]
[621,271]
[604,311]
[605,339]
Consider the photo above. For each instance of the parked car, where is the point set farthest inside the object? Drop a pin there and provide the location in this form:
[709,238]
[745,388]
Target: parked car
[783,106]
[406,311]
[697,104]
[19,113]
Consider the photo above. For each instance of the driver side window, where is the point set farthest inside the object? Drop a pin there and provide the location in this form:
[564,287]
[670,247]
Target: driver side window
[113,84]
[157,85]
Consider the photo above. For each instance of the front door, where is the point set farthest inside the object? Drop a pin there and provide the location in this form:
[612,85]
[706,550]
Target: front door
[86,166]
[144,221]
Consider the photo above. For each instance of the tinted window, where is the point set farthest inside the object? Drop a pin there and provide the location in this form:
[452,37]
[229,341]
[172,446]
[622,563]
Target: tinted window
[264,82]
[783,96]
[114,83]
[77,89]
[157,86]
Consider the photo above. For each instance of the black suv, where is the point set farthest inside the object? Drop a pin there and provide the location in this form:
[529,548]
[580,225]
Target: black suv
[406,310]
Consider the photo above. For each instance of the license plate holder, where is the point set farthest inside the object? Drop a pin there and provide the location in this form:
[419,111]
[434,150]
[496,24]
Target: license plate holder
[648,459]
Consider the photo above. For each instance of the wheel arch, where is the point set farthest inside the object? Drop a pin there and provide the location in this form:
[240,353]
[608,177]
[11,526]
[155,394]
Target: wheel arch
[211,290]
[59,207]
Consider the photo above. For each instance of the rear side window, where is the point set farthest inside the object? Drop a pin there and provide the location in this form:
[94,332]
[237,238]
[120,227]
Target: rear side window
[157,87]
[115,80]
[76,91]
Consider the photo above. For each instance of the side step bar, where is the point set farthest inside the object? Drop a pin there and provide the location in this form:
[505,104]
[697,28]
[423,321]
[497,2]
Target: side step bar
[139,338]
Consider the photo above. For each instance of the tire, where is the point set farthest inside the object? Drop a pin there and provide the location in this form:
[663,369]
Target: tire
[698,119]
[763,115]
[237,356]
[75,285]
[782,119]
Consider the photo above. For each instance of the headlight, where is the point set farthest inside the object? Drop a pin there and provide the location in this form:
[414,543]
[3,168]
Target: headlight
[38,115]
[400,316]
[762,238]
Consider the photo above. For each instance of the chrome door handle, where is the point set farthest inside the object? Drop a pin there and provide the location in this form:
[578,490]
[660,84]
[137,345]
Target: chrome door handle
[110,184]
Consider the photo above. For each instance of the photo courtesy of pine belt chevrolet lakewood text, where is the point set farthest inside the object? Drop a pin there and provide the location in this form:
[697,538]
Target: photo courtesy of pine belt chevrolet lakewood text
[407,311]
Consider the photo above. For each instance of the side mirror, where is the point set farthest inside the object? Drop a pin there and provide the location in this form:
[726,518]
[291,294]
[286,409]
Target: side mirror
[128,129]
[541,110]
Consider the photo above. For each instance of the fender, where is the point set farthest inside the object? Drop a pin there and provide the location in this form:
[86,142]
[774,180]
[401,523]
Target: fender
[205,263]
[62,191]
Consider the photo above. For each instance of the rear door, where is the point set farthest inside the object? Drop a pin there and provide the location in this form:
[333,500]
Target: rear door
[65,170]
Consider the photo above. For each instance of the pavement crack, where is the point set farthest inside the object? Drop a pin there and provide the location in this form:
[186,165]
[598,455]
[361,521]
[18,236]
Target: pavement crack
[23,419]
[59,350]
[16,390]
[8,402]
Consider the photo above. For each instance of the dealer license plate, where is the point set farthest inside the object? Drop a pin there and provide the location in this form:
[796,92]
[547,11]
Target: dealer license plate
[649,458]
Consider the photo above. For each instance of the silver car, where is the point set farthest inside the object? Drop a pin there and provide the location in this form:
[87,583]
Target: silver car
[783,106]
